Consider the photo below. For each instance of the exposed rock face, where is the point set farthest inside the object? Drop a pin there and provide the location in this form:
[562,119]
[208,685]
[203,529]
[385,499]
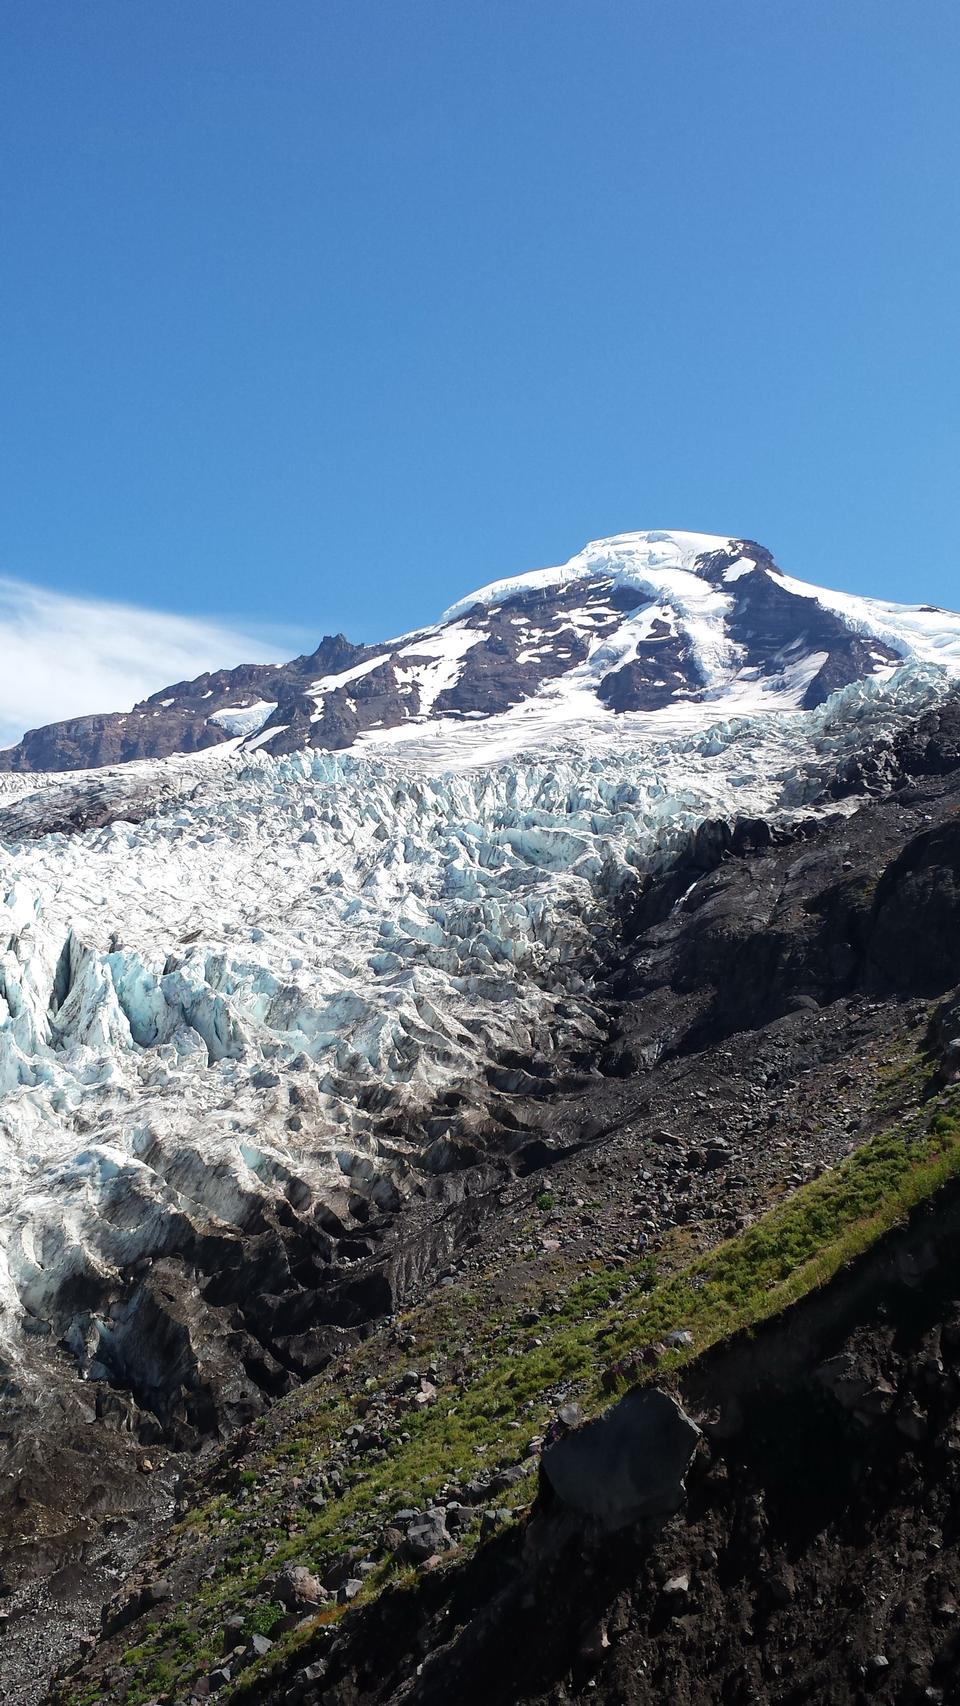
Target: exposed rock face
[663,671]
[915,919]
[180,718]
[632,625]
[776,627]
[830,1480]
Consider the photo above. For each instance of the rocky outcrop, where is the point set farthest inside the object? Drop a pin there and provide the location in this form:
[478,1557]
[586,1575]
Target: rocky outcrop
[777,628]
[926,746]
[754,922]
[662,671]
[180,718]
[913,932]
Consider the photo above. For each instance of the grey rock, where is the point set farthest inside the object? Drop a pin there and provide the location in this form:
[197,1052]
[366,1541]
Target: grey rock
[494,1519]
[911,1422]
[844,1379]
[629,1463]
[257,1647]
[475,1492]
[875,1403]
[679,1339]
[782,1584]
[427,1536]
[234,1634]
[677,1587]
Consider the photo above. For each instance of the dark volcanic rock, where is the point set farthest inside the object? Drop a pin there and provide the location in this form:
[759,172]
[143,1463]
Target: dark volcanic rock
[177,718]
[628,1464]
[928,746]
[914,935]
[663,670]
[777,627]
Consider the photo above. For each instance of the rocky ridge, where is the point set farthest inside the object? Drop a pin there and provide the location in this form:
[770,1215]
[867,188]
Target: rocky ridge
[638,624]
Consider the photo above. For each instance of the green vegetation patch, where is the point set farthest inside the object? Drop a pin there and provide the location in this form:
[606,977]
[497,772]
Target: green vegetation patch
[499,1389]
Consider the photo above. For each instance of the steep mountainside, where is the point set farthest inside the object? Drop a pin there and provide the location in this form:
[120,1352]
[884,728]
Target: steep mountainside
[645,622]
[775,1065]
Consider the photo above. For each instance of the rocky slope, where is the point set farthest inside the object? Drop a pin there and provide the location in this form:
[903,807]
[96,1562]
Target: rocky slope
[814,1556]
[750,999]
[420,1520]
[642,623]
[183,1063]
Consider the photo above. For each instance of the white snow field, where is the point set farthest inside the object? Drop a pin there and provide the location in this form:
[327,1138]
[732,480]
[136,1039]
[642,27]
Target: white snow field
[364,932]
[659,565]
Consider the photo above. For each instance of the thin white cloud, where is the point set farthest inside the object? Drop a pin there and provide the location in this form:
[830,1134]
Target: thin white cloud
[67,657]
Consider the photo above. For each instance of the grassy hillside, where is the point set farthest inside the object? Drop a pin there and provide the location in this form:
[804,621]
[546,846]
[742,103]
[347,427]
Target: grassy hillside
[311,1492]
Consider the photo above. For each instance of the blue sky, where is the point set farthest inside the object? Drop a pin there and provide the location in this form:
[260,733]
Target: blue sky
[316,315]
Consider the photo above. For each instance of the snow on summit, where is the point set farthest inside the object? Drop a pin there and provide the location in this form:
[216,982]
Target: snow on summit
[645,560]
[672,626]
[633,559]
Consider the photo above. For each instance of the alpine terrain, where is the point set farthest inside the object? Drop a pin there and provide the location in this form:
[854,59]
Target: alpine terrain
[480,1160]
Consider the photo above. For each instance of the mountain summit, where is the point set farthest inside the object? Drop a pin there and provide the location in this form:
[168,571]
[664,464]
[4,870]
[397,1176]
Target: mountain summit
[682,625]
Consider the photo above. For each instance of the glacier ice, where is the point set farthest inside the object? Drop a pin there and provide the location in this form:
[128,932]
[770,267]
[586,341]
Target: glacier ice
[258,982]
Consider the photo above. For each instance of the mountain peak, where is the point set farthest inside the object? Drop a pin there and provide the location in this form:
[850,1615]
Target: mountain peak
[665,624]
[632,559]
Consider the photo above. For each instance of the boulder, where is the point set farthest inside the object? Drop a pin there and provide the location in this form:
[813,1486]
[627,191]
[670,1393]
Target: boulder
[629,1463]
[297,1588]
[257,1647]
[234,1634]
[493,1519]
[429,1534]
[844,1380]
[142,1598]
[677,1587]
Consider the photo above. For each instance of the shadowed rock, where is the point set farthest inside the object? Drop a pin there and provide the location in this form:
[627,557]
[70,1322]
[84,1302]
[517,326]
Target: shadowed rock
[628,1464]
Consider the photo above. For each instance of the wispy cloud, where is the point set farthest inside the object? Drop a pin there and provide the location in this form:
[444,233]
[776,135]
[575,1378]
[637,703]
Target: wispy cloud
[65,657]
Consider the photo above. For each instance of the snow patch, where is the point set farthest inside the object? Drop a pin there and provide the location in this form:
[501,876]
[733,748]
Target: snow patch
[243,719]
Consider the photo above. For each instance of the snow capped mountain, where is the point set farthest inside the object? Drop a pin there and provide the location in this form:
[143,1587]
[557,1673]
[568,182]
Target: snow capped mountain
[290,962]
[683,627]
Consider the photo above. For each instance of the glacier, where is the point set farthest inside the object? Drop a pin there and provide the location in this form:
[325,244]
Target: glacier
[255,978]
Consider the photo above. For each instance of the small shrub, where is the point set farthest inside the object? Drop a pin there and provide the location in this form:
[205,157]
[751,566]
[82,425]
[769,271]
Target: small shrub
[264,1619]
